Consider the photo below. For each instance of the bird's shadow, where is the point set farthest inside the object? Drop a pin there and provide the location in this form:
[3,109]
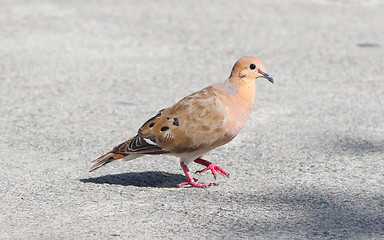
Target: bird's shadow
[139,179]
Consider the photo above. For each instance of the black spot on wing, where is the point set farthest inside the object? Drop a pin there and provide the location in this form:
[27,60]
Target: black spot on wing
[176,122]
[164,129]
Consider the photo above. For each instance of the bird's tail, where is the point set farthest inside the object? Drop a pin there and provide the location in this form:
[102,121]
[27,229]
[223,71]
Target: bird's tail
[106,158]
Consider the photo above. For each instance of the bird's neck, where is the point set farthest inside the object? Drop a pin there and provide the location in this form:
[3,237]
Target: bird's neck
[239,98]
[241,91]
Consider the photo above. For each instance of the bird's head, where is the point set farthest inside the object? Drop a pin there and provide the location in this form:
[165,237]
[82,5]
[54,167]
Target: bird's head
[249,68]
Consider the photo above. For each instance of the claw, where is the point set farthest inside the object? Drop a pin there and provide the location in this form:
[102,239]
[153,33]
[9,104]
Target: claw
[205,169]
[212,167]
[195,184]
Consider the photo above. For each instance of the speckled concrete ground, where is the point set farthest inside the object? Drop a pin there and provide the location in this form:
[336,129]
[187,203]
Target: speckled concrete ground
[79,77]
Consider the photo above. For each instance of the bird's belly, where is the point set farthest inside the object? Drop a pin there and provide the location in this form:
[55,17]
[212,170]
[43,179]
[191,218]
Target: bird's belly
[188,157]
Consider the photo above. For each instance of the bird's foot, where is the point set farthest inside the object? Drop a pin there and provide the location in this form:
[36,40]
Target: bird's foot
[210,166]
[194,184]
[190,180]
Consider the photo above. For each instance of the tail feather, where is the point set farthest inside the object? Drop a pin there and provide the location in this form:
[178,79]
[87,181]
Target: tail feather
[105,159]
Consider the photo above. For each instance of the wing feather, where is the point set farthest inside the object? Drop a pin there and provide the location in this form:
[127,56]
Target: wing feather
[138,144]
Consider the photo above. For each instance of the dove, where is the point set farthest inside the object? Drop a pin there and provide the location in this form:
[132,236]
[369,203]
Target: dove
[197,124]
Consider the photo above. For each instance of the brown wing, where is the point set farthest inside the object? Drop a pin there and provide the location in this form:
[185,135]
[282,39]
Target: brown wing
[195,122]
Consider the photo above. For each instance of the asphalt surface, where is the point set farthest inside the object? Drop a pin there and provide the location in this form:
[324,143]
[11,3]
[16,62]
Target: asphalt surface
[79,77]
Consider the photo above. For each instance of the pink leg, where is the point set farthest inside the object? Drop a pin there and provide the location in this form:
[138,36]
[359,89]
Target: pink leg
[210,166]
[190,180]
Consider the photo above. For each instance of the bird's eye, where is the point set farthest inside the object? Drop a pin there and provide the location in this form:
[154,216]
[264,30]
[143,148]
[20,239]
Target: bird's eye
[252,66]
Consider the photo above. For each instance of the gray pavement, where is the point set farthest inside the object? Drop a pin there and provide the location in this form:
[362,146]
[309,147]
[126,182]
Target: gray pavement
[79,77]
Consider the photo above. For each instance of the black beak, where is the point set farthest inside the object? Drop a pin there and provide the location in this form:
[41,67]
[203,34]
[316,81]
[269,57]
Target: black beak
[266,76]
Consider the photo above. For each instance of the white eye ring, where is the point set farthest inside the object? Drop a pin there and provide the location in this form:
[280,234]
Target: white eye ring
[252,66]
